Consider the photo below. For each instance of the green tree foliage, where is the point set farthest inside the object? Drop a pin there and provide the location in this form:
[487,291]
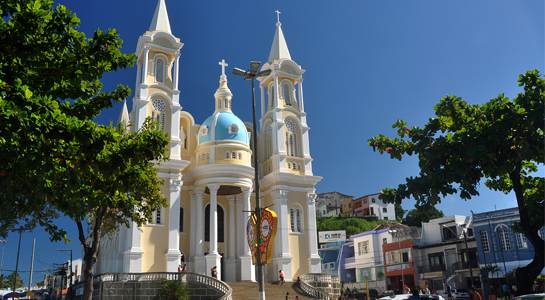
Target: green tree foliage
[416,216]
[400,212]
[352,225]
[499,142]
[172,290]
[54,159]
[7,281]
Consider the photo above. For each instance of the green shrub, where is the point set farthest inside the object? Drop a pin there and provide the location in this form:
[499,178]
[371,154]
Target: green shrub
[172,290]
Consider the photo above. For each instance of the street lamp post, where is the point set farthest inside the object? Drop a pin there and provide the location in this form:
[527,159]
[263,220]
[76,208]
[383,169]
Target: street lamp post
[396,232]
[251,75]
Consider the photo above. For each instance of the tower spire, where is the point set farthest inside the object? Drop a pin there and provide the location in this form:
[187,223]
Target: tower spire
[223,94]
[279,48]
[124,116]
[160,21]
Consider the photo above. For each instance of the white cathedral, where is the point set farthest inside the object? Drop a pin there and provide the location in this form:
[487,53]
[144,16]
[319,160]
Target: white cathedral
[208,178]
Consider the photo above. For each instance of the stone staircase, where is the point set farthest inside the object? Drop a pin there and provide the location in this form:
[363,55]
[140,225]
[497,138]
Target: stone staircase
[246,290]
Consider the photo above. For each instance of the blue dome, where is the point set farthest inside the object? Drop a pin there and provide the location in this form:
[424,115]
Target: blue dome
[223,126]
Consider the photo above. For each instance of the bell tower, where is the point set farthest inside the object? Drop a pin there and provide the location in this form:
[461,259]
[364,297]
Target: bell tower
[284,130]
[287,181]
[157,96]
[156,93]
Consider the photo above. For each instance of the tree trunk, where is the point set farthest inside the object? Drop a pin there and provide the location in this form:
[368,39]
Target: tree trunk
[90,251]
[525,276]
[88,264]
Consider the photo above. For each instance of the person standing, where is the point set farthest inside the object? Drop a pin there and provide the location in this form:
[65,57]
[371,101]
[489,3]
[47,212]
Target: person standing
[214,272]
[281,277]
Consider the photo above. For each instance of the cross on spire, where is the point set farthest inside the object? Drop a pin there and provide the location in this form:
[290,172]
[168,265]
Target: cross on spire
[277,16]
[223,64]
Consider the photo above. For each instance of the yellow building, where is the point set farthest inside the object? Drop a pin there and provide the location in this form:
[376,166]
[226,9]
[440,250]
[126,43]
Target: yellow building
[209,177]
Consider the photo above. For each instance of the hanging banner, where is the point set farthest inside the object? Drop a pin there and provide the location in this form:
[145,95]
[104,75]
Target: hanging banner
[268,234]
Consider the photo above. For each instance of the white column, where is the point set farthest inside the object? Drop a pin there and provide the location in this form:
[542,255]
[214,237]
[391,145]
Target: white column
[282,257]
[198,243]
[176,71]
[133,255]
[276,91]
[140,100]
[262,100]
[300,100]
[173,253]
[213,188]
[192,225]
[314,260]
[247,270]
[213,259]
[146,62]
[230,267]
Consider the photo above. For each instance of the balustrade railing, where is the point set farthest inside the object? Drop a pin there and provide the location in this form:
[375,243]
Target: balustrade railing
[296,164]
[322,286]
[186,277]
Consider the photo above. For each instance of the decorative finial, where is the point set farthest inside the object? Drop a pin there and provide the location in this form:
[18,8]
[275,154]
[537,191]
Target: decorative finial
[278,17]
[223,64]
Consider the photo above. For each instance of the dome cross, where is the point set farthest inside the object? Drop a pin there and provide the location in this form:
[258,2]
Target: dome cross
[277,16]
[223,64]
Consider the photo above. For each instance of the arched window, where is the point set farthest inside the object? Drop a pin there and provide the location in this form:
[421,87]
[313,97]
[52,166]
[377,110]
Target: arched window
[271,98]
[159,70]
[286,93]
[503,236]
[207,224]
[522,242]
[292,142]
[159,113]
[267,141]
[296,219]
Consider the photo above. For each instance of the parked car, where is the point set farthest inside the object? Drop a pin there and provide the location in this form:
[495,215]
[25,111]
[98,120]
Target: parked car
[457,294]
[531,297]
[397,297]
[408,296]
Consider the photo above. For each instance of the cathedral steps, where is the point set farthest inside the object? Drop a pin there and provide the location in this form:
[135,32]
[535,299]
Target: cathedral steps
[246,290]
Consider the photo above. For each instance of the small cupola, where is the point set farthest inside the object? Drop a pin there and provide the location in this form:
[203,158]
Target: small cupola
[223,94]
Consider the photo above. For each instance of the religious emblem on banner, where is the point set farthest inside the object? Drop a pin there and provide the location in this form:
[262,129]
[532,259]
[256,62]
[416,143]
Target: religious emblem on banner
[268,233]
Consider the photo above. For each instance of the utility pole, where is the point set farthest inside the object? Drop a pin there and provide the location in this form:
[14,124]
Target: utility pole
[468,259]
[31,264]
[20,230]
[71,263]
[251,75]
[3,243]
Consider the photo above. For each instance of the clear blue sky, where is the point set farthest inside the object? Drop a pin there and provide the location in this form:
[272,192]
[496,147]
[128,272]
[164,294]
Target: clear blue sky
[367,64]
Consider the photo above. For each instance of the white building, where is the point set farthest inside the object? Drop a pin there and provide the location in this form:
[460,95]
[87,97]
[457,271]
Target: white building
[441,255]
[209,175]
[372,206]
[368,259]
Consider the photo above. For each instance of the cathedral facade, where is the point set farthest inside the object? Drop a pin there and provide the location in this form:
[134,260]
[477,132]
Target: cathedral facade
[209,175]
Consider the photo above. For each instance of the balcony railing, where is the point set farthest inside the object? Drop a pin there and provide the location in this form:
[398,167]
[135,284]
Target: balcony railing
[432,268]
[296,164]
[465,265]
